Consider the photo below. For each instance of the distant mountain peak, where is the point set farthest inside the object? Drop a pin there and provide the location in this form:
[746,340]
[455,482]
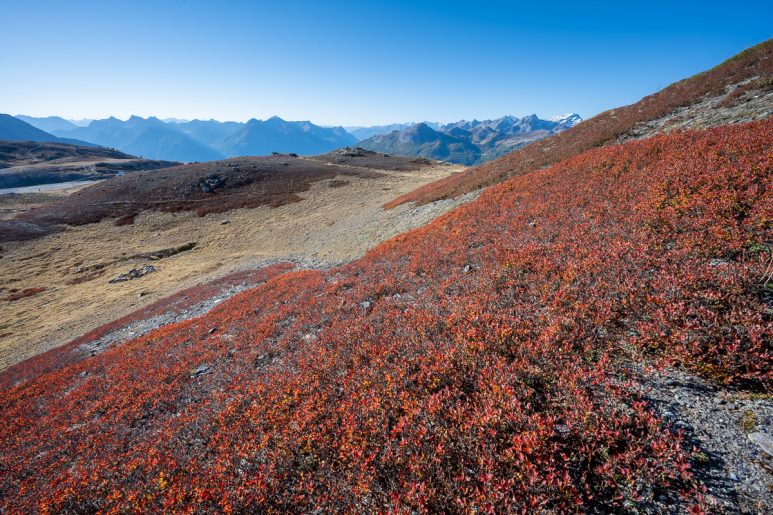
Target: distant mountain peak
[468,142]
[567,120]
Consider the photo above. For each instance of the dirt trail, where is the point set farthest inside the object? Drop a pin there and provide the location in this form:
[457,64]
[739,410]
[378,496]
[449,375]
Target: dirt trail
[338,220]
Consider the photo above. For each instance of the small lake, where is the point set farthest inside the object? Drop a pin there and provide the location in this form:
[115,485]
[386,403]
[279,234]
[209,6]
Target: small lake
[46,187]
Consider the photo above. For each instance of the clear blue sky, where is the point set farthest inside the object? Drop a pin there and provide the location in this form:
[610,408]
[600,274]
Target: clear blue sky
[358,62]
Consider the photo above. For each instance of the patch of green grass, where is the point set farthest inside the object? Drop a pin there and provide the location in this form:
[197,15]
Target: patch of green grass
[749,421]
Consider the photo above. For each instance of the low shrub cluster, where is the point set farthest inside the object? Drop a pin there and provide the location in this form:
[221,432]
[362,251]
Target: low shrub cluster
[22,294]
[70,353]
[470,365]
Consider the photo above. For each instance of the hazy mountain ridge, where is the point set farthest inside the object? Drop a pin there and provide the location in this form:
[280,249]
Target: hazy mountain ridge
[202,140]
[469,142]
[261,137]
[363,132]
[15,129]
[48,123]
[146,137]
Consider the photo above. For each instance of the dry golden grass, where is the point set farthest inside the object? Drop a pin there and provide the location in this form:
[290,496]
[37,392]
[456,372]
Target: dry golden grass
[337,221]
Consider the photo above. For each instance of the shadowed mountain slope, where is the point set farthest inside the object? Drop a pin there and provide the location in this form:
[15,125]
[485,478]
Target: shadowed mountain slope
[14,129]
[468,142]
[423,141]
[258,137]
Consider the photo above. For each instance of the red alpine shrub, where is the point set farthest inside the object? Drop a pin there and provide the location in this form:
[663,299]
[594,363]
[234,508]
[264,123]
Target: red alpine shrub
[23,294]
[465,366]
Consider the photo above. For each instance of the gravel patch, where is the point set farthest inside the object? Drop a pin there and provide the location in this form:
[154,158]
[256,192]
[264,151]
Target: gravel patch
[710,112]
[730,431]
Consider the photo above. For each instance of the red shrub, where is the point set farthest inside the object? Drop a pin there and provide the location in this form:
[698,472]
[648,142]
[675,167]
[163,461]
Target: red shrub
[27,292]
[180,301]
[466,365]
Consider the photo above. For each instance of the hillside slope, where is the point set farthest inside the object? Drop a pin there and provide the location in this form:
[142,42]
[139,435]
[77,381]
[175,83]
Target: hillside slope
[14,129]
[470,365]
[739,89]
[212,187]
[26,163]
[313,212]
[25,153]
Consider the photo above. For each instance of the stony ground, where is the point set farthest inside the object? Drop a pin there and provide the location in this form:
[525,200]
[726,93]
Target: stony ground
[729,431]
[710,112]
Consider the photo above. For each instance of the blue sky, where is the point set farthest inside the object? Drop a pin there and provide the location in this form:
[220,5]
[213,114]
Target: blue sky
[352,63]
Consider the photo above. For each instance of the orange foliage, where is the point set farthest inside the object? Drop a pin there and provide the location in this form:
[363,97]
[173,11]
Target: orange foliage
[465,366]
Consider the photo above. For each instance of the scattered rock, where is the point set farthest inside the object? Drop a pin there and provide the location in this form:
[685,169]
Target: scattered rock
[763,441]
[134,273]
[467,269]
[225,222]
[211,183]
[715,421]
[164,253]
[200,370]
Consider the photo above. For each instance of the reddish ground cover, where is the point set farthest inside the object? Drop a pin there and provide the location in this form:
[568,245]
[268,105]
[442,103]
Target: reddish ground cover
[27,292]
[470,365]
[180,301]
[754,64]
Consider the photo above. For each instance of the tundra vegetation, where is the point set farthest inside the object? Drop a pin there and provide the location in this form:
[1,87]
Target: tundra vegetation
[475,364]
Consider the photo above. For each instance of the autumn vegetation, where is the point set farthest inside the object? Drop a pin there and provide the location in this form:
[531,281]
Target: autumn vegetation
[750,70]
[479,363]
[22,294]
[72,352]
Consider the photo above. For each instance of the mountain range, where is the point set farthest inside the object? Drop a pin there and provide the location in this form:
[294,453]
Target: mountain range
[469,142]
[464,142]
[15,129]
[364,132]
[258,137]
[199,140]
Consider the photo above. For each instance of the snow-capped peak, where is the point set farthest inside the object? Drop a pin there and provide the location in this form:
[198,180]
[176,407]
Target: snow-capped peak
[568,119]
